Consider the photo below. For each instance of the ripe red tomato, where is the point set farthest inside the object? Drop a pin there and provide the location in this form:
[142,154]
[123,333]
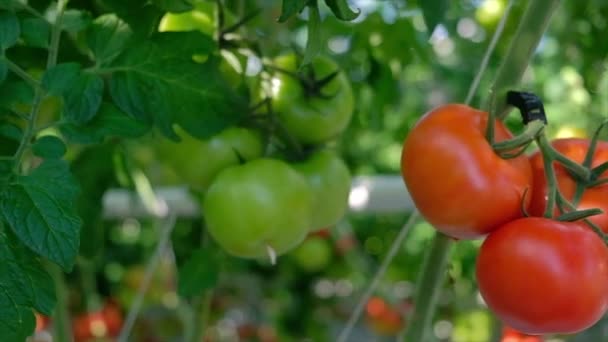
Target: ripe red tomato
[106,322]
[511,335]
[542,276]
[575,149]
[382,317]
[457,181]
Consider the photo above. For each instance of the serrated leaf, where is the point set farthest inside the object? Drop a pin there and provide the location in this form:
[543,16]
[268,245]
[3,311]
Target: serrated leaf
[9,30]
[314,40]
[49,147]
[75,20]
[35,32]
[3,70]
[291,8]
[107,37]
[25,286]
[83,99]
[60,78]
[39,208]
[157,81]
[109,122]
[199,273]
[175,6]
[433,12]
[81,91]
[342,10]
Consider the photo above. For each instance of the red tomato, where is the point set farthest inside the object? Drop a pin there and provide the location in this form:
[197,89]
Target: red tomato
[457,181]
[511,335]
[106,322]
[382,317]
[42,321]
[541,276]
[575,149]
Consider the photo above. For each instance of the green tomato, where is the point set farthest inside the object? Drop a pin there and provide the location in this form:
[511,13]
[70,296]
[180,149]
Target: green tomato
[311,118]
[261,204]
[330,181]
[197,162]
[313,255]
[201,18]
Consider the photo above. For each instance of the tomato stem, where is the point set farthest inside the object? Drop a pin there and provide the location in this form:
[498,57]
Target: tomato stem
[594,139]
[548,155]
[61,316]
[533,129]
[427,288]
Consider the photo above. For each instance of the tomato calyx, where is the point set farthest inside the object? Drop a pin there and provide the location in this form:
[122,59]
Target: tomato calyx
[312,85]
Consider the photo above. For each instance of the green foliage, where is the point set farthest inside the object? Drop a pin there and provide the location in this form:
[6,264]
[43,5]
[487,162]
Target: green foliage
[39,209]
[9,30]
[199,273]
[49,147]
[25,285]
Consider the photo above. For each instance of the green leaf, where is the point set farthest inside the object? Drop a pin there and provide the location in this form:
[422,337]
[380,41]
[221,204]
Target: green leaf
[40,210]
[60,78]
[10,4]
[157,81]
[35,32]
[342,10]
[10,136]
[109,122]
[15,95]
[75,21]
[49,147]
[82,101]
[3,70]
[314,40]
[199,273]
[9,30]
[81,91]
[433,12]
[107,37]
[25,285]
[175,6]
[291,8]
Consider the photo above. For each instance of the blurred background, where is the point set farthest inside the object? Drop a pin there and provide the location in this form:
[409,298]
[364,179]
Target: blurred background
[399,70]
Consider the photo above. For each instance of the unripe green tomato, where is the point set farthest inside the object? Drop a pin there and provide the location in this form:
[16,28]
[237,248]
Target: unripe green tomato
[201,18]
[313,255]
[262,204]
[197,162]
[311,119]
[330,181]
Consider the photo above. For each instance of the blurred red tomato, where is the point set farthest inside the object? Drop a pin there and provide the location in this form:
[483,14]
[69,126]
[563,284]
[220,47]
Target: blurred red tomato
[105,323]
[511,335]
[382,318]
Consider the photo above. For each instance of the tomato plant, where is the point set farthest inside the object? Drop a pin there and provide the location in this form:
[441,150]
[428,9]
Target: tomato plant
[542,276]
[249,208]
[311,110]
[459,184]
[197,162]
[594,197]
[330,181]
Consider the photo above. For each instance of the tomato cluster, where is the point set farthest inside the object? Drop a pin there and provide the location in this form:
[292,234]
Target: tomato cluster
[538,274]
[270,180]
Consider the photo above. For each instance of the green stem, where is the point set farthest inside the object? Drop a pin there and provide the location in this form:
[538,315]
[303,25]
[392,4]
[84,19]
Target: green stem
[531,28]
[61,315]
[51,62]
[21,73]
[533,129]
[202,306]
[428,286]
[89,285]
[547,154]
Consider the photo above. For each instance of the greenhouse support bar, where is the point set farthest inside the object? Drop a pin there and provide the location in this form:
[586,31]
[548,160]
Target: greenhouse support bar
[368,194]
